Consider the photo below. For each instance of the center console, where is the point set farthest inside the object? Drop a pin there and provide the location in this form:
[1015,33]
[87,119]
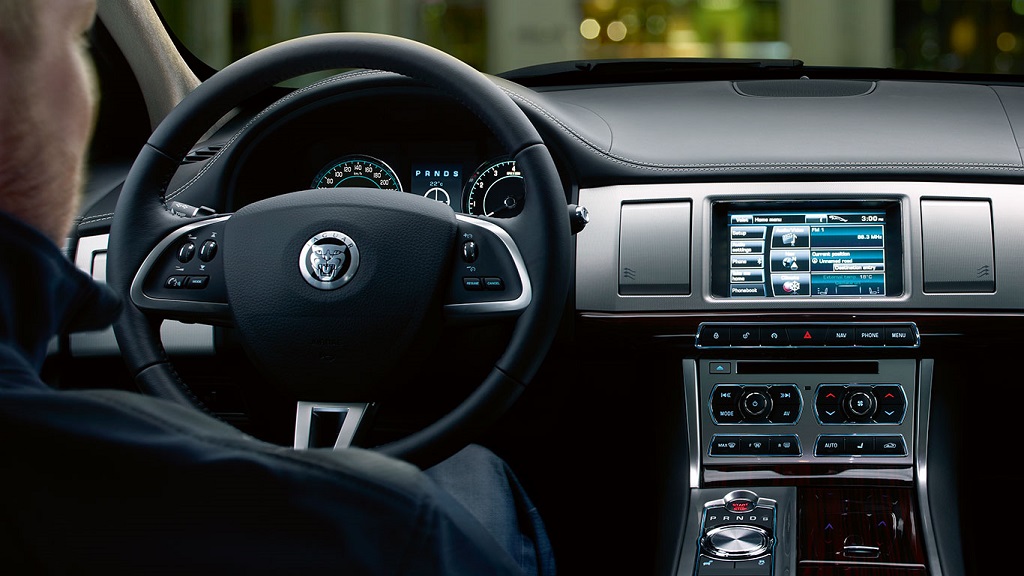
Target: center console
[806,317]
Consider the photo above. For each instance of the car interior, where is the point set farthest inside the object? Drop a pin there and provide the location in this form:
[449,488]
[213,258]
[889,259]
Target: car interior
[720,316]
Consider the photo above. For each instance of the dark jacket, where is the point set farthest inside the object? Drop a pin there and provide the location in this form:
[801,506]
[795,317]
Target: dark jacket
[118,482]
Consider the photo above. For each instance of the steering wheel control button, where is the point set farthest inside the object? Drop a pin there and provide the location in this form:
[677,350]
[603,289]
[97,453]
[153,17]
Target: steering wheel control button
[327,261]
[175,282]
[197,282]
[472,283]
[186,252]
[470,252]
[208,251]
[494,283]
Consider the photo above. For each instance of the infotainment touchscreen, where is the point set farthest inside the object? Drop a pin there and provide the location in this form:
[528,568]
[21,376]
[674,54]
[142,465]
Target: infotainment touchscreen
[810,250]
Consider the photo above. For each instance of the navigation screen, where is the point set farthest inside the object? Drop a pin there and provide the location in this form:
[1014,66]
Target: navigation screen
[824,252]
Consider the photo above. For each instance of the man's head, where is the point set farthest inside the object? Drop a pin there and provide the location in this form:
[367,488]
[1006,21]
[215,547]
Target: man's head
[47,109]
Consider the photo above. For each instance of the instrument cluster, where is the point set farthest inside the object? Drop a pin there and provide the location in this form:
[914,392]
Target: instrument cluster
[494,188]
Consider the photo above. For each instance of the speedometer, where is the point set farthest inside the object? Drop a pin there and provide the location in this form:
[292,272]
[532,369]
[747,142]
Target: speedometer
[496,189]
[357,171]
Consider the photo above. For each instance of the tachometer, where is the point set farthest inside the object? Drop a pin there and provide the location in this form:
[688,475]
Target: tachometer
[358,171]
[496,189]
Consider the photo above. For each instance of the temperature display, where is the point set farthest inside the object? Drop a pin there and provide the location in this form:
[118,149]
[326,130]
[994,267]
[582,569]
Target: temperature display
[441,182]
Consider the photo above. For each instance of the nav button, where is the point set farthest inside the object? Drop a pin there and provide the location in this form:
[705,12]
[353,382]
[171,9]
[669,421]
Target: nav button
[839,336]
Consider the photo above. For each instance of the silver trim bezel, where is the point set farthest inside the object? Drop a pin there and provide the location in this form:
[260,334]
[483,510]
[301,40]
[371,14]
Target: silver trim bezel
[304,420]
[145,301]
[518,304]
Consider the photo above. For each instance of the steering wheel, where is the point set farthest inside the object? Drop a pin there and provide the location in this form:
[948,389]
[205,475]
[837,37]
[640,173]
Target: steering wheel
[328,288]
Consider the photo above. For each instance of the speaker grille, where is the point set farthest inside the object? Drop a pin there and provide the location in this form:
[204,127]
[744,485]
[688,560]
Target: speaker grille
[804,88]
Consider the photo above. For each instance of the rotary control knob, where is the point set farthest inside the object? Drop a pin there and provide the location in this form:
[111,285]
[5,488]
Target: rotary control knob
[859,405]
[756,405]
[736,541]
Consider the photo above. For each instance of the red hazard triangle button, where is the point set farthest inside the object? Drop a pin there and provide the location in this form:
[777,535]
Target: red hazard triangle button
[807,336]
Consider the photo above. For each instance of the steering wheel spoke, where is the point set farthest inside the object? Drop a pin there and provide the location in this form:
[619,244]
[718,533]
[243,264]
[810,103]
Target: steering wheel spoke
[182,278]
[489,275]
[328,424]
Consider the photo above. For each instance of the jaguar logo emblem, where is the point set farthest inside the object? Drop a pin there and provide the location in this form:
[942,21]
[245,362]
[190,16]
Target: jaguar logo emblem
[328,260]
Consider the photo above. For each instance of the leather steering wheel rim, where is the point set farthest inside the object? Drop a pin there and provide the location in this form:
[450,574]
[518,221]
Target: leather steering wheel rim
[541,231]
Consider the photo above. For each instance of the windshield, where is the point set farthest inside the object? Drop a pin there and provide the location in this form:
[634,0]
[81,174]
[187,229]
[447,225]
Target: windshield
[500,35]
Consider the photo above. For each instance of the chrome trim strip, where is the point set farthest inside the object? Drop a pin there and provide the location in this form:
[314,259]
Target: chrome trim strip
[304,419]
[142,300]
[924,404]
[691,397]
[524,298]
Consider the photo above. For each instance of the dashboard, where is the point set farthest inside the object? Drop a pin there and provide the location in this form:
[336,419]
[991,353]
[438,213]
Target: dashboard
[797,281]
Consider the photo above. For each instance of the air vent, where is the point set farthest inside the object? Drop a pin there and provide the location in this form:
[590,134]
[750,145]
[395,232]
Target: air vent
[804,88]
[200,154]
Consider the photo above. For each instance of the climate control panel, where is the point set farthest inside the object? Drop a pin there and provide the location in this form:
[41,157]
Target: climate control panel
[806,411]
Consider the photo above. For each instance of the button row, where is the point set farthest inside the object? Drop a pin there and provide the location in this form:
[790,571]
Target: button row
[710,566]
[860,403]
[860,445]
[755,445]
[192,282]
[740,404]
[837,335]
[483,283]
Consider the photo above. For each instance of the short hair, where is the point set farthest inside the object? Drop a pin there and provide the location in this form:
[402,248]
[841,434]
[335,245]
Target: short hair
[18,27]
